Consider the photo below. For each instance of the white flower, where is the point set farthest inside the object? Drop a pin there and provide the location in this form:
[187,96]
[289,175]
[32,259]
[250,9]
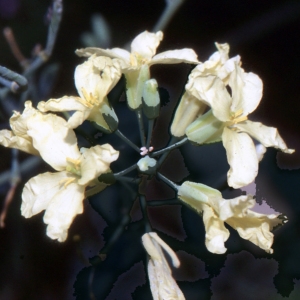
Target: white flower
[218,64]
[190,107]
[135,64]
[236,212]
[230,112]
[162,284]
[94,79]
[61,193]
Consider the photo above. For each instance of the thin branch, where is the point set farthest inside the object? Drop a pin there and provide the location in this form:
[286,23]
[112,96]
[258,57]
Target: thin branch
[14,47]
[117,175]
[127,141]
[167,181]
[14,81]
[43,56]
[168,13]
[168,149]
[163,202]
[143,205]
[141,127]
[149,133]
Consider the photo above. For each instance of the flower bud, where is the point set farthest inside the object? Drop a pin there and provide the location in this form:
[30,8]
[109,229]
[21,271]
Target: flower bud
[151,103]
[187,111]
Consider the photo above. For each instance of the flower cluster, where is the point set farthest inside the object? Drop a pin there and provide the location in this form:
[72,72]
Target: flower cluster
[214,107]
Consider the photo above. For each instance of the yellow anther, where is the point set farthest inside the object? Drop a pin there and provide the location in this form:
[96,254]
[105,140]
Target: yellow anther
[89,100]
[236,117]
[67,181]
[75,162]
[240,119]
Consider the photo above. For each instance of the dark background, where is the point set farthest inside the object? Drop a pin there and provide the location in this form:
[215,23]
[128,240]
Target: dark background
[266,35]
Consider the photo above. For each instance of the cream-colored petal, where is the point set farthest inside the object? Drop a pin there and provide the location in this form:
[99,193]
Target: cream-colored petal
[96,161]
[236,207]
[18,122]
[212,91]
[53,139]
[62,210]
[162,284]
[175,57]
[135,81]
[216,232]
[146,43]
[267,136]
[216,64]
[39,191]
[246,90]
[78,117]
[66,103]
[118,53]
[241,156]
[188,110]
[8,139]
[97,76]
[250,225]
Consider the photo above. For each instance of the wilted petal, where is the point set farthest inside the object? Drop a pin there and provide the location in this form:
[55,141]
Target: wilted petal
[62,210]
[146,43]
[118,53]
[241,156]
[175,57]
[216,232]
[66,103]
[18,122]
[212,91]
[267,136]
[96,161]
[246,90]
[8,139]
[250,225]
[54,141]
[162,284]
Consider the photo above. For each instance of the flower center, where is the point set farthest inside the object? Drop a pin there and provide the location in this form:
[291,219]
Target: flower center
[137,60]
[236,117]
[73,166]
[89,99]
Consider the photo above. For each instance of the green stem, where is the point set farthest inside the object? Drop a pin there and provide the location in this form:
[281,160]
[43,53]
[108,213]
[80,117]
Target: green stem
[163,202]
[129,179]
[143,204]
[168,149]
[117,175]
[168,181]
[141,126]
[127,141]
[149,134]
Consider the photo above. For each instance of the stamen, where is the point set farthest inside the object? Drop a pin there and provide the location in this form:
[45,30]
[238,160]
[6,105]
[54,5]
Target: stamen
[236,117]
[74,166]
[89,100]
[67,181]
[75,162]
